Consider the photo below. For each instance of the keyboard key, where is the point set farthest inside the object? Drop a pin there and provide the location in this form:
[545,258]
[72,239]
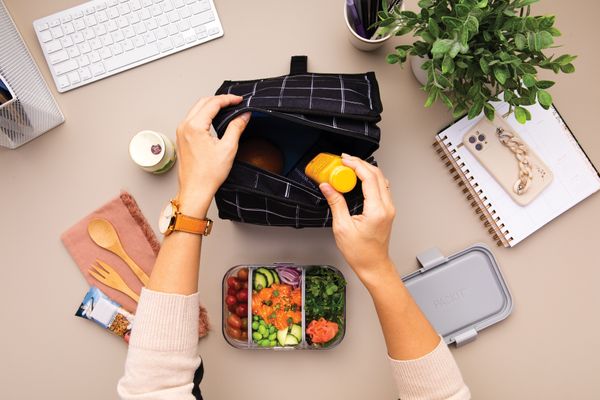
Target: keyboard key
[73,51]
[165,45]
[172,29]
[102,17]
[101,6]
[65,18]
[162,20]
[122,22]
[161,33]
[54,23]
[138,41]
[74,77]
[105,53]
[97,69]
[151,24]
[68,28]
[116,49]
[139,28]
[146,3]
[89,11]
[201,32]
[213,31]
[127,45]
[95,57]
[131,57]
[57,32]
[135,5]
[178,3]
[63,82]
[77,14]
[128,32]
[133,18]
[189,36]
[90,20]
[43,27]
[85,73]
[64,67]
[204,5]
[106,40]
[124,9]
[178,40]
[149,37]
[66,41]
[144,14]
[113,13]
[77,37]
[156,10]
[45,36]
[79,24]
[185,13]
[89,34]
[95,43]
[53,46]
[111,26]
[118,36]
[58,57]
[85,48]
[167,6]
[83,61]
[112,3]
[201,19]
[173,16]
[100,30]
[183,26]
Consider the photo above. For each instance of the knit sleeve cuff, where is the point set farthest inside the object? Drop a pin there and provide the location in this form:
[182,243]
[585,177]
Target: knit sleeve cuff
[434,376]
[165,322]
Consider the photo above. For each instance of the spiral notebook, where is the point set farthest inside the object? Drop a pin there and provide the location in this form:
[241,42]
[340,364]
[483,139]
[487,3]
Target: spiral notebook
[575,177]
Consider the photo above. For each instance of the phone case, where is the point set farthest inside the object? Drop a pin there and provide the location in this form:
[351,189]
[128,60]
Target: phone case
[483,142]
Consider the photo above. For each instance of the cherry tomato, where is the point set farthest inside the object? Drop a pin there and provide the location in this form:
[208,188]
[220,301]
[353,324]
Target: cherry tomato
[243,274]
[242,296]
[230,300]
[232,282]
[241,310]
[244,323]
[231,291]
[235,333]
[234,321]
[232,308]
[244,335]
[245,285]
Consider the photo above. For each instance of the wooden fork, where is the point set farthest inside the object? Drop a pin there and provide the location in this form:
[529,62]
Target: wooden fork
[111,278]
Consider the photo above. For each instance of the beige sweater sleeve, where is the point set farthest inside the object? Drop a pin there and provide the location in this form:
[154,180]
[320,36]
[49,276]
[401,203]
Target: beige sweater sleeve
[434,376]
[163,348]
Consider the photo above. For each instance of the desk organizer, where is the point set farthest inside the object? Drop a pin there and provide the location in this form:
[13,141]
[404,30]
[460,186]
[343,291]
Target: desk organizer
[34,110]
[263,312]
[460,294]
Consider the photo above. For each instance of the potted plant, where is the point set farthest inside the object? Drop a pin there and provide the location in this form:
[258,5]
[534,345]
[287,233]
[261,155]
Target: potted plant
[474,50]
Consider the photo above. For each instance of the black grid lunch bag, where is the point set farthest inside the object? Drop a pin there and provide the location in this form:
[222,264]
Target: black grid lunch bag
[303,114]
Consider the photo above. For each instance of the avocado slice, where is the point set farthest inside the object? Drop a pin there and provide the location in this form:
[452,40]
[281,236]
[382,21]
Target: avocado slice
[275,277]
[291,340]
[282,336]
[267,275]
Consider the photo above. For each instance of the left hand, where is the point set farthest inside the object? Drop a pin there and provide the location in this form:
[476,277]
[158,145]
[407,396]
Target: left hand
[205,160]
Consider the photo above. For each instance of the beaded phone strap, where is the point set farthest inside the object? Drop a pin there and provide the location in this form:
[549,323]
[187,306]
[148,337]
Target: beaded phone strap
[520,150]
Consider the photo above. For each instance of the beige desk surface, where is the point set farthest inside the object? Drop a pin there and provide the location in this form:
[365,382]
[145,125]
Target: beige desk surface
[547,349]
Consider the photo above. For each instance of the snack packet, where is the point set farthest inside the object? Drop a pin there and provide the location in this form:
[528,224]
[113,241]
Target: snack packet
[98,307]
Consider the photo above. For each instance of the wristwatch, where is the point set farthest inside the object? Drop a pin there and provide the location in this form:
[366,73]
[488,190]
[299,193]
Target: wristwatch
[171,219]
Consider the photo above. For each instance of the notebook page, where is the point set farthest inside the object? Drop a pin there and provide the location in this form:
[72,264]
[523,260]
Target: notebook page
[574,177]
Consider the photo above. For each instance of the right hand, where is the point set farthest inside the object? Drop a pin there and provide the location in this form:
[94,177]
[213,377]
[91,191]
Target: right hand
[364,239]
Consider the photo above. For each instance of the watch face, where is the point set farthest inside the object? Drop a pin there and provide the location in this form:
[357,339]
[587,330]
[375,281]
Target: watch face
[165,218]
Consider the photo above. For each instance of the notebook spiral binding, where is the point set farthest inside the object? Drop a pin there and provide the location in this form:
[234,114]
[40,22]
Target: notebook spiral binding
[479,202]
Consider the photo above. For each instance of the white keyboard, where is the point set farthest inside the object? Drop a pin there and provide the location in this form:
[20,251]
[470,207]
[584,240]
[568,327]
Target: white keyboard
[101,38]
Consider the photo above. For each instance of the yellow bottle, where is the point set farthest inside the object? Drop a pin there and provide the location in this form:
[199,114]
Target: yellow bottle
[326,167]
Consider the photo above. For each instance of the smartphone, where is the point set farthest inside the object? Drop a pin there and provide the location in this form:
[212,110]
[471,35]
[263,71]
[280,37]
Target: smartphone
[483,142]
[5,93]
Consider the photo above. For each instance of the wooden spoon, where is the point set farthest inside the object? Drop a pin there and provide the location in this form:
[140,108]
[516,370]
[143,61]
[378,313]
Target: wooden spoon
[103,233]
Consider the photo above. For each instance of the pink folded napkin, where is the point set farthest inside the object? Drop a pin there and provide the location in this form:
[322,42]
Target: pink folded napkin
[138,240]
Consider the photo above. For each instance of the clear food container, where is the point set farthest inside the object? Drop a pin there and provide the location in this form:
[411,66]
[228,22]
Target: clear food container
[284,307]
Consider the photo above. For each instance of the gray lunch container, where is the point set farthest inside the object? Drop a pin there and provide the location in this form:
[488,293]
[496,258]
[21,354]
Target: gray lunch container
[460,294]
[249,343]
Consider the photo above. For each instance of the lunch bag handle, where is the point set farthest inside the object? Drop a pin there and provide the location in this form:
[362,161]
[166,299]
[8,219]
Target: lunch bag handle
[298,65]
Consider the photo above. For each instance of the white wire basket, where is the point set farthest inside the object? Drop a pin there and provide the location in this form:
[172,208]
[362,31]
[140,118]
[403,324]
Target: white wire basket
[32,111]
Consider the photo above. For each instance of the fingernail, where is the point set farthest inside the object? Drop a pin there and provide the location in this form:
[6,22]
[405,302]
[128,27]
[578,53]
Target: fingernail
[245,117]
[326,189]
[346,155]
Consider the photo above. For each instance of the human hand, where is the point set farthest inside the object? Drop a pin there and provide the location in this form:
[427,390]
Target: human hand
[364,239]
[204,159]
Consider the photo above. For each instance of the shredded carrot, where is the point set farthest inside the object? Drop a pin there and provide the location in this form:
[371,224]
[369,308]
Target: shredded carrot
[278,305]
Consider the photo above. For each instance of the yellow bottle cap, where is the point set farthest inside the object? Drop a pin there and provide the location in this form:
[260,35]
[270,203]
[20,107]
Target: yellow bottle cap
[343,179]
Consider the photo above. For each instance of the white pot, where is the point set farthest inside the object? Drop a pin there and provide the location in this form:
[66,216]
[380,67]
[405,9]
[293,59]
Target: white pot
[420,74]
[358,41]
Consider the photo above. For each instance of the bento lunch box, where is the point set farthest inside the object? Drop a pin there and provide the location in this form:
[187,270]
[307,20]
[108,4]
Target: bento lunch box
[284,307]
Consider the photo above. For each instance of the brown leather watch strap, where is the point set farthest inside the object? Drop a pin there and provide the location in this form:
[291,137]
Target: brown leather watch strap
[192,225]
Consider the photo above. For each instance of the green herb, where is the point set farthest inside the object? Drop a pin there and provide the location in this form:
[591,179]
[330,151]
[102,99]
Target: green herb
[478,49]
[276,293]
[324,295]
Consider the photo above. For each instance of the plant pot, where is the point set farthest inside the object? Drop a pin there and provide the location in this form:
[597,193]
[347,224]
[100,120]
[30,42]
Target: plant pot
[360,42]
[415,64]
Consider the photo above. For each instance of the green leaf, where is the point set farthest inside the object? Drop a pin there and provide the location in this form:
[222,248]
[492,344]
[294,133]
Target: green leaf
[483,64]
[489,111]
[524,3]
[428,37]
[565,59]
[461,64]
[482,4]
[567,69]
[452,22]
[475,109]
[434,28]
[447,65]
[528,69]
[459,111]
[441,47]
[521,114]
[529,80]
[554,32]
[446,100]
[472,24]
[534,41]
[544,84]
[544,98]
[456,48]
[425,3]
[545,39]
[433,94]
[462,10]
[392,59]
[520,41]
[501,74]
